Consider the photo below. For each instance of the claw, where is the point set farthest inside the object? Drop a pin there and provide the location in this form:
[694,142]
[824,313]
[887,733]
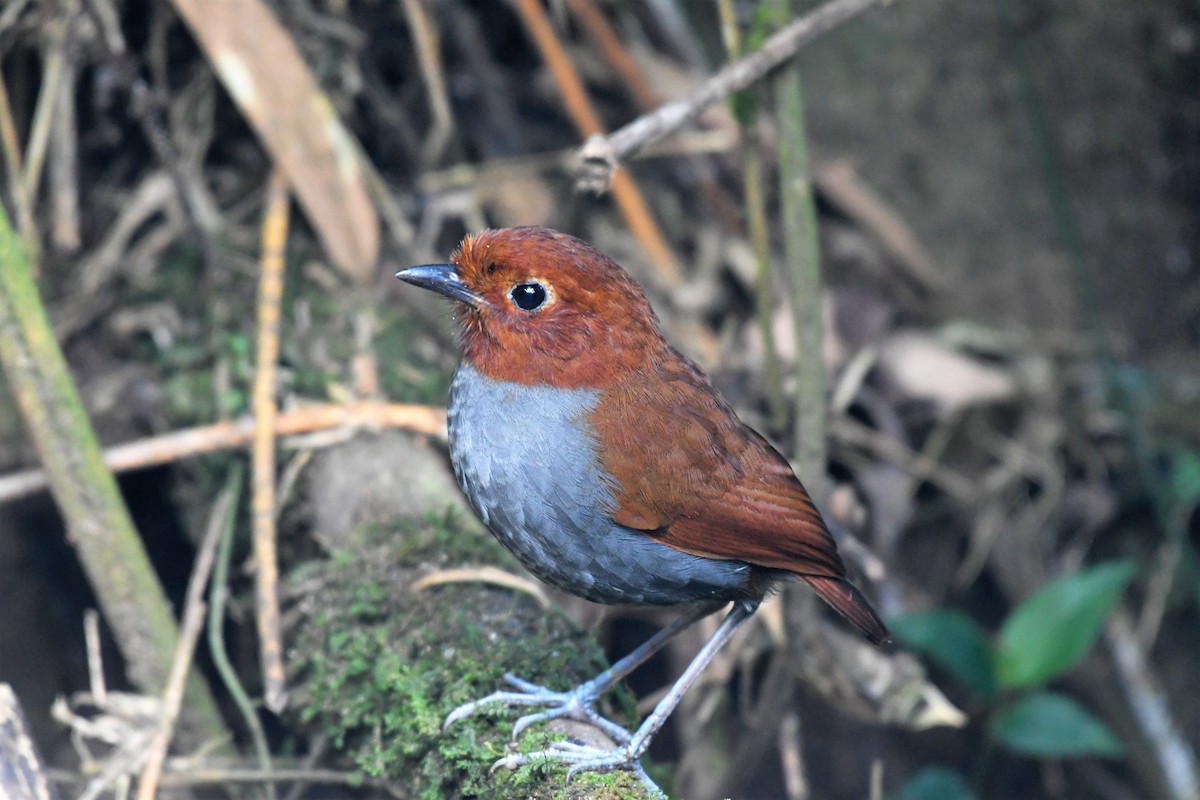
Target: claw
[506,698]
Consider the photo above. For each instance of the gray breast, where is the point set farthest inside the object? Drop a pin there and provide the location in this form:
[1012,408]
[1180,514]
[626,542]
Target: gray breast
[525,459]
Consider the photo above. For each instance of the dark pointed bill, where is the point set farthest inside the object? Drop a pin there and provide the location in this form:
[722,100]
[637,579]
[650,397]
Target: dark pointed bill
[440,278]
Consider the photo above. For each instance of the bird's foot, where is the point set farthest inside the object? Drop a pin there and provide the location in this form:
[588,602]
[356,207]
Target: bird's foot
[579,704]
[582,757]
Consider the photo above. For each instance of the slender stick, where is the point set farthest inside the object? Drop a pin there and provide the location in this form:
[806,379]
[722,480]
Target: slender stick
[425,36]
[43,113]
[226,435]
[218,593]
[193,622]
[602,154]
[10,144]
[1173,755]
[270,300]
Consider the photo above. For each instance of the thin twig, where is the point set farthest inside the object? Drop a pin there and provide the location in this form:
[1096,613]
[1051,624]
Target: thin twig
[193,621]
[207,775]
[849,431]
[270,301]
[842,186]
[10,14]
[602,154]
[876,780]
[1143,691]
[218,593]
[485,574]
[425,36]
[43,111]
[64,161]
[495,170]
[791,754]
[169,447]
[91,637]
[24,776]
[10,143]
[1162,578]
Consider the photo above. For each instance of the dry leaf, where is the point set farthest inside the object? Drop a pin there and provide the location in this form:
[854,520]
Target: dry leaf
[925,368]
[262,70]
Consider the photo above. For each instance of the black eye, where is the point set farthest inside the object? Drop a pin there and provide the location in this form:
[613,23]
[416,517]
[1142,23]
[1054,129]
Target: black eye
[528,296]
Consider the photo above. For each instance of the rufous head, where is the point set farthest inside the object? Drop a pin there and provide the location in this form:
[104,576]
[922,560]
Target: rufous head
[544,308]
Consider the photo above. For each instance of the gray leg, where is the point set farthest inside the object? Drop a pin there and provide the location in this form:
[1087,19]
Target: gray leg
[579,702]
[583,757]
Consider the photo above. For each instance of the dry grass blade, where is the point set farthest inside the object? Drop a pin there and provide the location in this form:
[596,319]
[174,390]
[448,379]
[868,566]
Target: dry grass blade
[265,74]
[493,575]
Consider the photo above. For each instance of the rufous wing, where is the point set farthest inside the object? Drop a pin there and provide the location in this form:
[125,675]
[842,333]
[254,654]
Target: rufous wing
[694,477]
[774,524]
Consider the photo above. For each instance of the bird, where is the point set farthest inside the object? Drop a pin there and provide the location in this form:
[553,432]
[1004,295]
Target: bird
[609,465]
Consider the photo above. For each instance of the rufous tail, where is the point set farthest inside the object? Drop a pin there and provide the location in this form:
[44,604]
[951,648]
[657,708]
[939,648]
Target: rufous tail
[850,603]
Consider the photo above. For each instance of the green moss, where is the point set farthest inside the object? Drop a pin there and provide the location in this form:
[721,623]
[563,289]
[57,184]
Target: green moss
[381,666]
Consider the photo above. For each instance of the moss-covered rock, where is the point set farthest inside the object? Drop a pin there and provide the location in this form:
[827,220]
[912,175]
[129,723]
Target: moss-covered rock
[378,667]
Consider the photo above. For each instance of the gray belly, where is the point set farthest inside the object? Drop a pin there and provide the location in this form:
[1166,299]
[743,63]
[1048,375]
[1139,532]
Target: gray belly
[526,462]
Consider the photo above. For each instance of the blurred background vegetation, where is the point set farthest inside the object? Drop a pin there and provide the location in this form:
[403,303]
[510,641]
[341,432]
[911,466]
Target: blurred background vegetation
[946,259]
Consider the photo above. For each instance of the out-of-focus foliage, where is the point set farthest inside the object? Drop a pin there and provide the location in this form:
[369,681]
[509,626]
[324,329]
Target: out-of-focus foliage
[1054,628]
[1043,638]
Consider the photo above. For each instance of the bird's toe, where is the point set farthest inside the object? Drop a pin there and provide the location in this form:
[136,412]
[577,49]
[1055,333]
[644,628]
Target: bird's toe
[578,704]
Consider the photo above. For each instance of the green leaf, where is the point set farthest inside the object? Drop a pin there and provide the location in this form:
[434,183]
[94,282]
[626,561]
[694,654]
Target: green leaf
[1048,725]
[953,641]
[1048,633]
[936,783]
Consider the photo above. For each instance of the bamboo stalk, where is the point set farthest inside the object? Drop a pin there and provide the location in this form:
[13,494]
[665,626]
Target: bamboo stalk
[97,521]
[802,248]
